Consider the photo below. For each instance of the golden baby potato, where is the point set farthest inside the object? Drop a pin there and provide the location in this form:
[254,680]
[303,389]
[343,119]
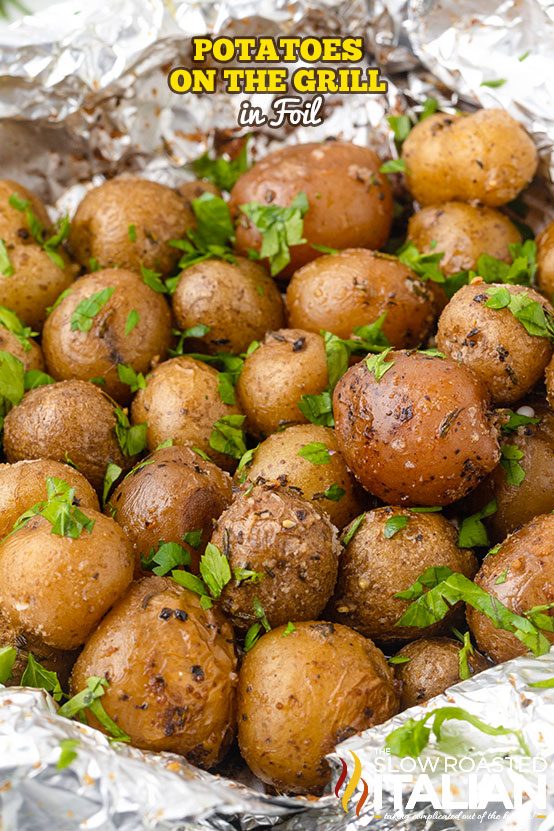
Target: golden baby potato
[375,566]
[549,379]
[350,201]
[59,661]
[288,364]
[171,669]
[301,693]
[520,575]
[545,261]
[127,324]
[57,588]
[415,428]
[339,292]
[128,223]
[13,224]
[486,156]
[324,479]
[492,342]
[238,301]
[25,350]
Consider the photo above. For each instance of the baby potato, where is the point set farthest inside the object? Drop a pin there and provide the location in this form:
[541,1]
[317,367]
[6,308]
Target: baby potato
[289,545]
[492,342]
[339,292]
[486,156]
[71,421]
[430,666]
[350,201]
[462,233]
[56,660]
[304,691]
[58,588]
[289,363]
[29,354]
[171,669]
[131,325]
[35,284]
[376,565]
[414,429]
[23,484]
[189,191]
[284,457]
[521,576]
[13,226]
[128,223]
[173,491]
[545,261]
[549,379]
[182,402]
[534,495]
[238,301]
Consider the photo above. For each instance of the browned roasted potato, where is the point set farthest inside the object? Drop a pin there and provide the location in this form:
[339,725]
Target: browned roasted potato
[171,668]
[486,156]
[189,191]
[289,363]
[533,494]
[390,549]
[545,261]
[306,458]
[282,552]
[13,224]
[340,292]
[71,421]
[174,491]
[350,201]
[56,660]
[549,379]
[238,301]
[414,429]
[57,588]
[22,347]
[23,484]
[520,575]
[302,692]
[462,233]
[431,665]
[493,342]
[110,318]
[128,223]
[182,402]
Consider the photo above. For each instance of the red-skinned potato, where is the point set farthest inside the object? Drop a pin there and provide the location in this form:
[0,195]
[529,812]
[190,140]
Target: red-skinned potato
[339,292]
[171,669]
[415,429]
[131,327]
[350,201]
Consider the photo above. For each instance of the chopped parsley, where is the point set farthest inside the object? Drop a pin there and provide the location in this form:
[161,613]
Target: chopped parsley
[132,319]
[134,380]
[376,364]
[89,700]
[316,452]
[510,461]
[393,525]
[113,472]
[10,321]
[213,235]
[393,166]
[8,654]
[68,753]
[350,532]
[227,436]
[131,439]
[473,533]
[6,267]
[85,312]
[279,227]
[221,171]
[59,508]
[166,557]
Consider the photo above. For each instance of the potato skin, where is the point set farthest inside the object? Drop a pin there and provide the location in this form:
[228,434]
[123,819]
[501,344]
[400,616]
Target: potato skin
[280,535]
[486,156]
[13,227]
[57,588]
[181,402]
[100,228]
[171,667]
[339,292]
[189,191]
[97,353]
[301,694]
[174,492]
[462,232]
[434,666]
[35,284]
[350,200]
[422,435]
[526,560]
[493,343]
[517,505]
[545,261]
[549,379]
[23,484]
[31,358]
[289,363]
[56,660]
[68,420]
[373,569]
[277,459]
[238,301]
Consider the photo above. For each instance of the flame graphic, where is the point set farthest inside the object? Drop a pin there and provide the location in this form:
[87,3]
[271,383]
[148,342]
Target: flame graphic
[352,784]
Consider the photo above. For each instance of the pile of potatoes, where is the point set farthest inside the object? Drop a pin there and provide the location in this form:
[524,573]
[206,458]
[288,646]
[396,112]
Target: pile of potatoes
[273,627]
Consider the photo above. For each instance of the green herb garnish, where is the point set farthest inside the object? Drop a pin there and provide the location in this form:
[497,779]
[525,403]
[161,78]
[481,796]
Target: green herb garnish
[510,461]
[376,364]
[393,166]
[132,319]
[221,171]
[393,525]
[352,529]
[315,452]
[169,555]
[127,375]
[472,530]
[8,654]
[37,676]
[131,440]
[84,314]
[68,753]
[279,227]
[6,267]
[89,700]
[227,436]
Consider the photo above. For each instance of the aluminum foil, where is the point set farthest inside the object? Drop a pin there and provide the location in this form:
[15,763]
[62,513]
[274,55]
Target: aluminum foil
[83,96]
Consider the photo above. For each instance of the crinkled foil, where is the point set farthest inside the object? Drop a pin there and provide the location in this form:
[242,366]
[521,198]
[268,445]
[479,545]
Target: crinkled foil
[83,96]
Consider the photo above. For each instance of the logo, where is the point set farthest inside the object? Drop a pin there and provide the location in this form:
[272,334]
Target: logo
[352,784]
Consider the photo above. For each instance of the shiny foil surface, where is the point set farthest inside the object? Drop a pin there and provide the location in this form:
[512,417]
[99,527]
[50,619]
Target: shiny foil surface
[83,95]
